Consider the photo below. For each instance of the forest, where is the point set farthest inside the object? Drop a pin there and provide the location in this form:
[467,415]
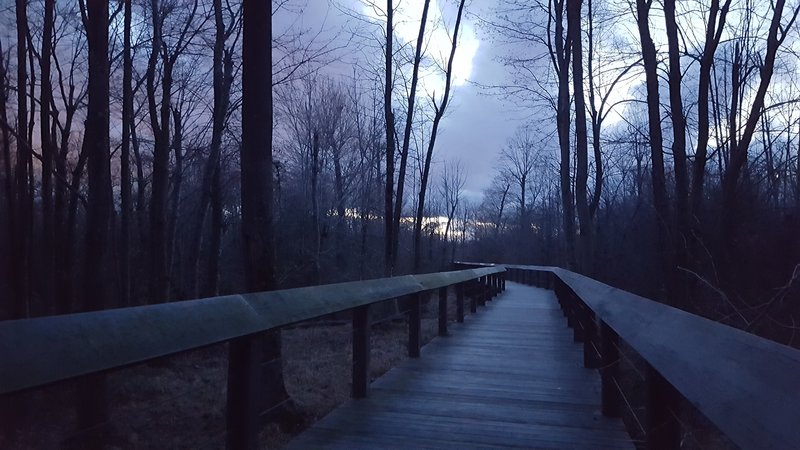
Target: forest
[141,161]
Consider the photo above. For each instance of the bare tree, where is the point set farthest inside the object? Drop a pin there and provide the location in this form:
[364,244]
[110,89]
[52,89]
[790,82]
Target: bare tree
[439,111]
[390,144]
[401,175]
[519,161]
[450,190]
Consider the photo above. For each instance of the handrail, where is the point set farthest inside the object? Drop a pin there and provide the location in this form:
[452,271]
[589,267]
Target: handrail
[744,384]
[39,351]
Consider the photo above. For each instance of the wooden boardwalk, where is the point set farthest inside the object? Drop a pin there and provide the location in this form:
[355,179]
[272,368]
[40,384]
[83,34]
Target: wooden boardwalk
[509,377]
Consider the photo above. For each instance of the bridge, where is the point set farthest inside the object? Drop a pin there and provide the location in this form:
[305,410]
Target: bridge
[537,364]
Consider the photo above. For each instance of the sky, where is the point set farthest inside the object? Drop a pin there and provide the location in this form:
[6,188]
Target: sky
[477,124]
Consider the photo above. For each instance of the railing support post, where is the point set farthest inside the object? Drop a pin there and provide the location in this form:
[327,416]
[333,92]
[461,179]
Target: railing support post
[244,392]
[569,307]
[609,369]
[473,297]
[460,302]
[503,281]
[590,341]
[414,313]
[361,329]
[579,318]
[663,428]
[443,311]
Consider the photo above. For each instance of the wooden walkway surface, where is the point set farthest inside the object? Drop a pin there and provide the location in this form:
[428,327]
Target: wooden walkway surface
[510,376]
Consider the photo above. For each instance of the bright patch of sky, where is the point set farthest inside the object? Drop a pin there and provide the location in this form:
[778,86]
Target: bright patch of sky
[439,30]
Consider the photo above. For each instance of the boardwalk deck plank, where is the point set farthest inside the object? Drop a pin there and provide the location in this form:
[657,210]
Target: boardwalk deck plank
[510,377]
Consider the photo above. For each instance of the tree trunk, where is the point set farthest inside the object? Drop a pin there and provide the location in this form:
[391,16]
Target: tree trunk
[581,138]
[739,148]
[439,113]
[388,254]
[401,176]
[173,246]
[8,181]
[47,279]
[712,39]
[561,60]
[596,120]
[338,179]
[317,238]
[125,161]
[159,122]
[98,290]
[23,214]
[211,192]
[660,199]
[256,179]
[681,234]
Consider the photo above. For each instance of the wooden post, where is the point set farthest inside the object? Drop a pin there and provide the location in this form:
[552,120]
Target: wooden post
[503,281]
[443,311]
[361,329]
[460,302]
[609,369]
[479,291]
[580,317]
[663,428]
[244,392]
[559,295]
[590,341]
[473,297]
[484,290]
[568,308]
[414,326]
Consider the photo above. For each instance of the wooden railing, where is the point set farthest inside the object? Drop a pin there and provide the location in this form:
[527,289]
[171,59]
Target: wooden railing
[747,386]
[41,351]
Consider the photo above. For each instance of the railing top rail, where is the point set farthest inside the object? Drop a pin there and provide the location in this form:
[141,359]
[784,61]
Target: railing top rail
[746,385]
[39,351]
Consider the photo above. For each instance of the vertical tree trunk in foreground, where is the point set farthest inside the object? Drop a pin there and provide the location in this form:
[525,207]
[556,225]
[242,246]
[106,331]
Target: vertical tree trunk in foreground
[389,118]
[256,360]
[100,204]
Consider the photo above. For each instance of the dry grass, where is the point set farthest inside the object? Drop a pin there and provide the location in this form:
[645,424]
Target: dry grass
[179,402]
